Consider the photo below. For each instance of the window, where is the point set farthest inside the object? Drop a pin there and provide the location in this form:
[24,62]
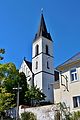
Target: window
[47,64]
[76,101]
[73,75]
[56,76]
[36,64]
[47,51]
[36,50]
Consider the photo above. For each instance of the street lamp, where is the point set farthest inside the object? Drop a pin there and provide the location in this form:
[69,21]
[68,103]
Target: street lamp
[17,108]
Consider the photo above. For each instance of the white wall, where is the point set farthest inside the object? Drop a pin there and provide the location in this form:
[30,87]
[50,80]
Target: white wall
[24,68]
[43,77]
[47,86]
[73,87]
[42,113]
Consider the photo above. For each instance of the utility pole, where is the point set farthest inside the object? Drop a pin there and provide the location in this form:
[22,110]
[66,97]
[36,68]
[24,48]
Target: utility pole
[17,108]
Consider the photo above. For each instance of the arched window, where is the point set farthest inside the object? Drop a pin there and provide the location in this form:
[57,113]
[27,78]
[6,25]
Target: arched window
[36,50]
[36,64]
[47,51]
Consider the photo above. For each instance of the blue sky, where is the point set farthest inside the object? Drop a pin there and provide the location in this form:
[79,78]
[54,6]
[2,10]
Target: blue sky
[19,21]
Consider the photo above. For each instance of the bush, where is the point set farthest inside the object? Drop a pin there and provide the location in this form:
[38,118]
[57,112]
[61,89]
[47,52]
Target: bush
[75,116]
[28,116]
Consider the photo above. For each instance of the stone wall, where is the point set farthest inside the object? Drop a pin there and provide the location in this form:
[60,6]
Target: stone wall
[42,113]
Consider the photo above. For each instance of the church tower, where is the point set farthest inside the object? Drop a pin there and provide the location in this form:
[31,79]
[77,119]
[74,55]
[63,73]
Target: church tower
[42,60]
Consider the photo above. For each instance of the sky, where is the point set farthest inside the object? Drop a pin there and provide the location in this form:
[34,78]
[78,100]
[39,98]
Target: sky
[19,21]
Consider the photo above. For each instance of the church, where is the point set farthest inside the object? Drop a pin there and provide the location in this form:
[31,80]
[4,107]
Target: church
[60,84]
[40,72]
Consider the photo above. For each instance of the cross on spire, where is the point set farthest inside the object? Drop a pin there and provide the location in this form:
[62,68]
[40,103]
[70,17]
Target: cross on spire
[42,10]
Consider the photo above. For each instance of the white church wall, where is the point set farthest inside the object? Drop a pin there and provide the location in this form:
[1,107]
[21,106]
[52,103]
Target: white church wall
[50,63]
[39,60]
[37,42]
[43,80]
[48,42]
[47,84]
[25,69]
[38,80]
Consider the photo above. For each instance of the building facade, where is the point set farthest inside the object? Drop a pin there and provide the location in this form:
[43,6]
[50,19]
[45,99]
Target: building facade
[67,86]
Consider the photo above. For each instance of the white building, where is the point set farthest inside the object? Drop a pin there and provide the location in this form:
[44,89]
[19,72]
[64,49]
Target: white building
[40,72]
[67,84]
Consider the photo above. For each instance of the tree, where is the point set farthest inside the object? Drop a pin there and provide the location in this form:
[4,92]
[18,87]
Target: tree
[10,77]
[28,116]
[75,116]
[5,101]
[2,51]
[23,84]
[62,112]
[5,97]
[34,94]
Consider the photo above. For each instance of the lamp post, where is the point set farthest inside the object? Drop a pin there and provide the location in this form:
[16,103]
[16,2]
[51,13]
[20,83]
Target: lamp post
[17,108]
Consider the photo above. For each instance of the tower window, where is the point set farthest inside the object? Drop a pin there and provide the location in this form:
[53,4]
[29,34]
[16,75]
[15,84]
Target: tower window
[47,64]
[36,64]
[47,51]
[36,50]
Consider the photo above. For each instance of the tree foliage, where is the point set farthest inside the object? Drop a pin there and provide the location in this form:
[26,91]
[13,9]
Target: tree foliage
[75,116]
[2,51]
[10,77]
[28,116]
[5,99]
[34,94]
[62,112]
[24,85]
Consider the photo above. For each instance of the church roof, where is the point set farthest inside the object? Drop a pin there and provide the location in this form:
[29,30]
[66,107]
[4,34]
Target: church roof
[29,64]
[42,30]
[74,58]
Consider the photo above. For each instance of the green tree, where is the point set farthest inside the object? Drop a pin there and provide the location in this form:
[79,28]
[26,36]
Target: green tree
[28,116]
[2,51]
[34,94]
[23,84]
[5,101]
[10,77]
[6,98]
[75,116]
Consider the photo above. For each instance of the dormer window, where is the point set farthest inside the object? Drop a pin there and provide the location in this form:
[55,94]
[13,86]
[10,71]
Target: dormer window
[47,51]
[36,50]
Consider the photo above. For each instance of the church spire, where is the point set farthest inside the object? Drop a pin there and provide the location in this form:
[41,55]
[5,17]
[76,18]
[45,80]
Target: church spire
[42,26]
[42,30]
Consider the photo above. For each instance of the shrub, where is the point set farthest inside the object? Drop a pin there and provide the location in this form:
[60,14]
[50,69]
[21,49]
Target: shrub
[28,116]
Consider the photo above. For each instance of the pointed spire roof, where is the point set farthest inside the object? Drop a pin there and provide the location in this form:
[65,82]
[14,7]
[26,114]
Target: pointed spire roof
[42,30]
[42,26]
